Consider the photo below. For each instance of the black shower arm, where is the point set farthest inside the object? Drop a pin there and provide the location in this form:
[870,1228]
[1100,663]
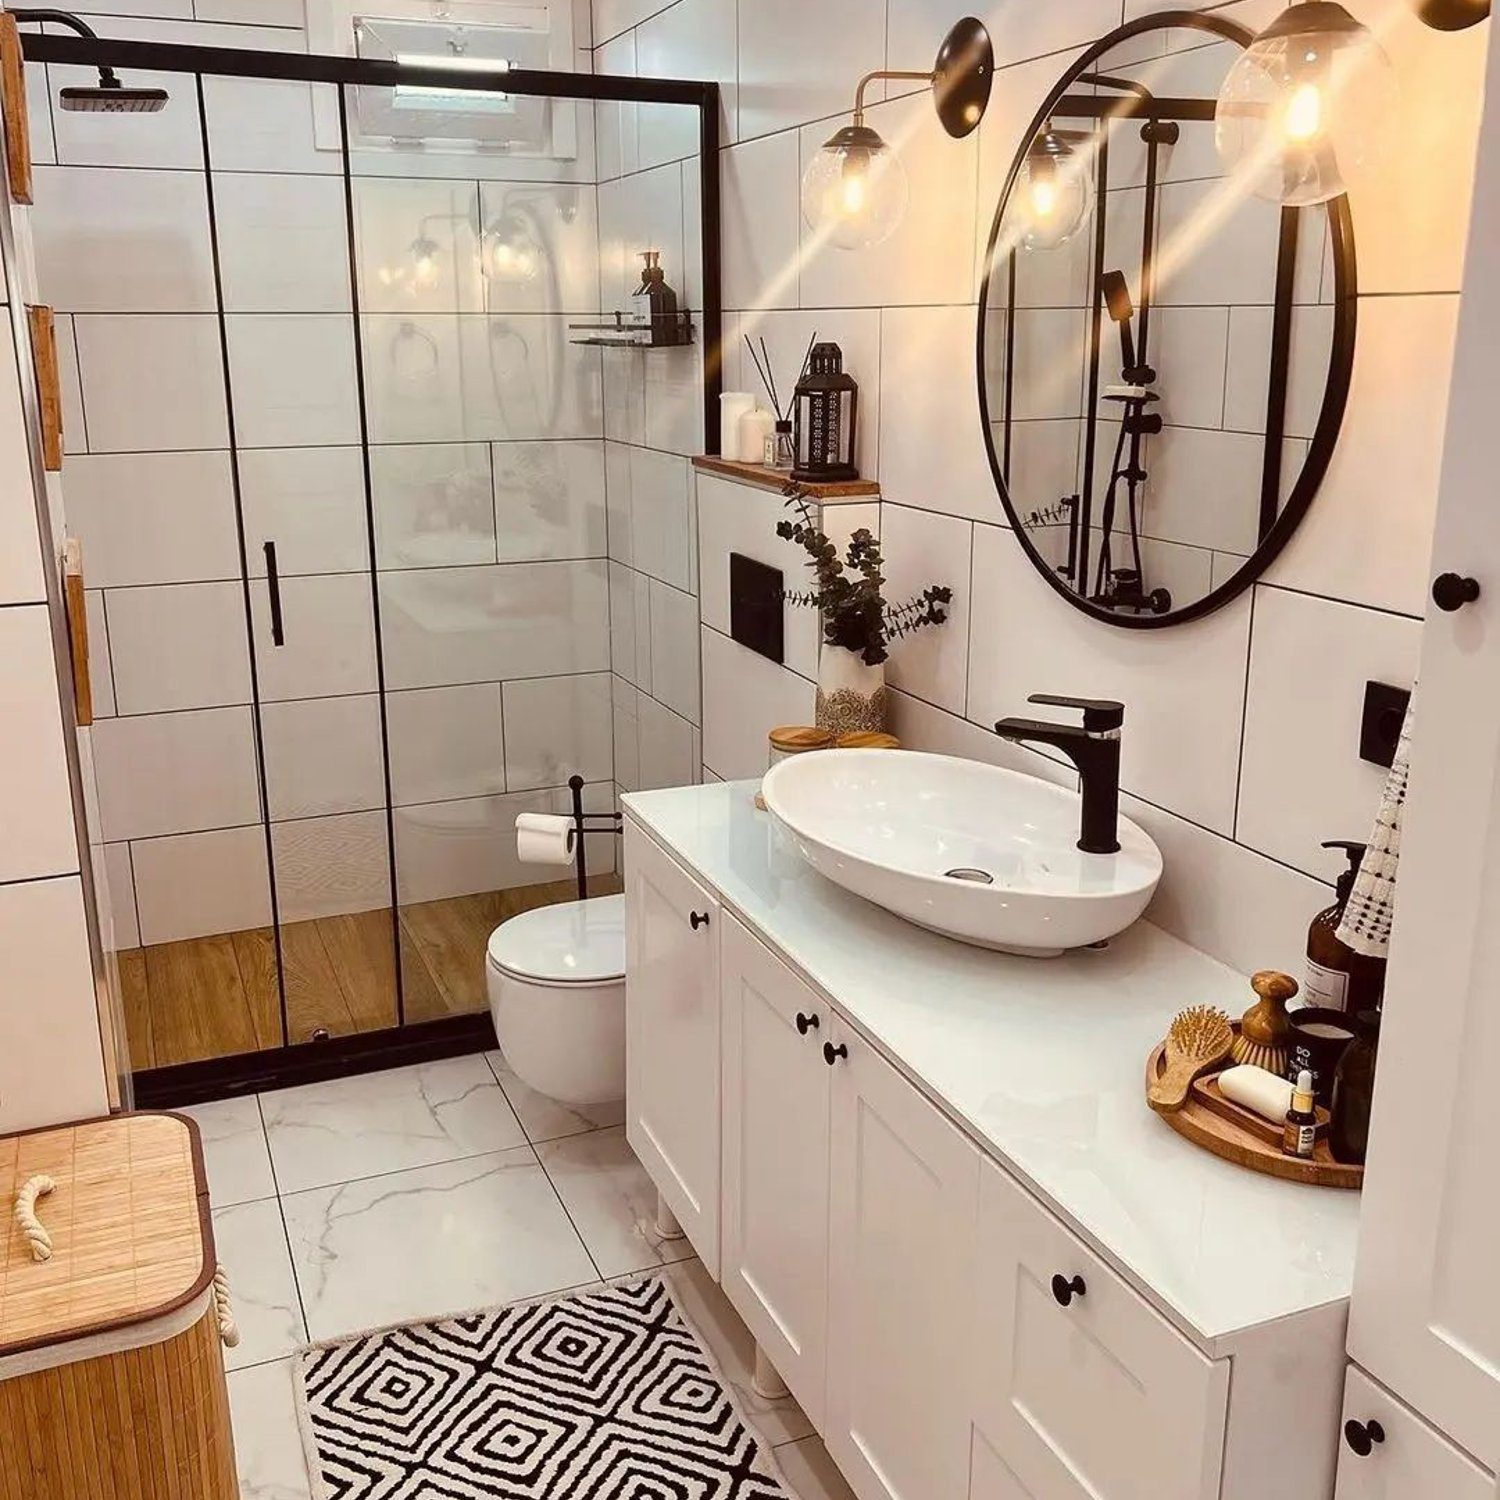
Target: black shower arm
[39,14]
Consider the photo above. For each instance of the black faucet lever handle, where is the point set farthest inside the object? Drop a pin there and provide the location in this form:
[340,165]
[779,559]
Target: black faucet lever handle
[1099,714]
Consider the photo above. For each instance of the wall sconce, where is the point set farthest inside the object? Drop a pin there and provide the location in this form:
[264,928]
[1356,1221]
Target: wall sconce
[1054,192]
[1312,97]
[855,190]
[1453,15]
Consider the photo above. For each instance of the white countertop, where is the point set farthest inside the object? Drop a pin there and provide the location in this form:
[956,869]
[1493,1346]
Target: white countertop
[1042,1062]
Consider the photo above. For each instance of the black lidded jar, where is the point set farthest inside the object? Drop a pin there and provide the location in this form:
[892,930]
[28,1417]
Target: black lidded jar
[1354,1092]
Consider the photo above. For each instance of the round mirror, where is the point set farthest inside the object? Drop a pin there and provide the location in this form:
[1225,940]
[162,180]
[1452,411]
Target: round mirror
[1164,357]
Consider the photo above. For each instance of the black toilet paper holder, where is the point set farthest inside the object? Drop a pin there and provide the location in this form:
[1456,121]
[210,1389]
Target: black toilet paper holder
[585,823]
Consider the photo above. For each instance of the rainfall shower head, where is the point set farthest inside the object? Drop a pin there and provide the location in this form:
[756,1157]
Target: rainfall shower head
[109,95]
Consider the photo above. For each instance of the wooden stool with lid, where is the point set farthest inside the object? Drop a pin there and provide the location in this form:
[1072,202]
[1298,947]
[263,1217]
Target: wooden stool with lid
[111,1380]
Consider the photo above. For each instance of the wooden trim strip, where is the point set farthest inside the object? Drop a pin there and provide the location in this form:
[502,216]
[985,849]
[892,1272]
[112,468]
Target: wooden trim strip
[13,101]
[75,601]
[48,385]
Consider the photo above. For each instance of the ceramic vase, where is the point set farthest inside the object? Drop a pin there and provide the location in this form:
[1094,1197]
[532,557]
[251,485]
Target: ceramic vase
[851,694]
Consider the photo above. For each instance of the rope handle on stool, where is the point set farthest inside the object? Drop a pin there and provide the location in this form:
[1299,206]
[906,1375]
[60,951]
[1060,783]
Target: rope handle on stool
[229,1330]
[27,1222]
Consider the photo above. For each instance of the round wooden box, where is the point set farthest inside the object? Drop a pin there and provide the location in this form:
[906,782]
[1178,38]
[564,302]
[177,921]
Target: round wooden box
[111,1379]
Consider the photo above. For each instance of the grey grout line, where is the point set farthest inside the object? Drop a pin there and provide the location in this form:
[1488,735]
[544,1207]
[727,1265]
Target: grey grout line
[286,1233]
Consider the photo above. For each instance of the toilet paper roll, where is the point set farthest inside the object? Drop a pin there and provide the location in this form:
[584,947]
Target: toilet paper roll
[545,839]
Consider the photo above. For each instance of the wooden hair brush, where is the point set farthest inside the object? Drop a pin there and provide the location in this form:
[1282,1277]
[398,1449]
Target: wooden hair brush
[1199,1039]
[1265,1034]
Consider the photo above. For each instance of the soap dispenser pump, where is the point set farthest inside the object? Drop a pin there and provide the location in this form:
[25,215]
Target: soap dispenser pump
[1338,978]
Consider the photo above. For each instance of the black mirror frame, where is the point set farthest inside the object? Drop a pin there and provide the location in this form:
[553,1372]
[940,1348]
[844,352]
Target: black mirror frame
[1340,362]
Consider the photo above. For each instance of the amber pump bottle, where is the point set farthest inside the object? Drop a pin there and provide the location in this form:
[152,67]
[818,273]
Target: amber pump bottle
[1338,978]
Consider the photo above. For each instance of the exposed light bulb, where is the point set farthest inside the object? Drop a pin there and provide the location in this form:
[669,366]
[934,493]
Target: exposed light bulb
[853,193]
[855,189]
[1053,194]
[1304,113]
[1044,198]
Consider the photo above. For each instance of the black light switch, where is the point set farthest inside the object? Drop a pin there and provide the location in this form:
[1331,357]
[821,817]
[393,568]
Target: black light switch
[756,618]
[1380,725]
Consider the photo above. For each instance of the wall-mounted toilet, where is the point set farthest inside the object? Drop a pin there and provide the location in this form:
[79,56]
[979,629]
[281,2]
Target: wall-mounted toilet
[556,980]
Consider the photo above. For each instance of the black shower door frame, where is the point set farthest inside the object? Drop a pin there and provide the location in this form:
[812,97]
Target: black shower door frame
[307,1062]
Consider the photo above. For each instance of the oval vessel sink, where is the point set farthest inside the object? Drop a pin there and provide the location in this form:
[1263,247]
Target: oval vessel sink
[975,852]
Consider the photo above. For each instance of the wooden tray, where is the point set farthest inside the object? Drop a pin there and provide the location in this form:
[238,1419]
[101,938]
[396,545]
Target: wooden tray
[1206,1123]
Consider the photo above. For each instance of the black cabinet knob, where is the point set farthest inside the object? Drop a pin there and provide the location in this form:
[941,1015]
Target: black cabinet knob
[699,919]
[806,1023]
[1451,591]
[1065,1290]
[831,1054]
[1363,1436]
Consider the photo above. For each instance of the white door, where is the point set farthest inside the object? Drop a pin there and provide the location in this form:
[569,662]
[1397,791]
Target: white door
[1081,1388]
[904,1190]
[776,1093]
[672,1037]
[1425,1319]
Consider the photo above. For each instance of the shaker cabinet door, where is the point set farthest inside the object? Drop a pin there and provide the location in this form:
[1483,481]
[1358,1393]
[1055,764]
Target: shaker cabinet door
[904,1190]
[1425,1317]
[776,1096]
[672,1037]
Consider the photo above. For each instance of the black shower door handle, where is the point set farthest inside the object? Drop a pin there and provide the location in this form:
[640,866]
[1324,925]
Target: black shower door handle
[273,588]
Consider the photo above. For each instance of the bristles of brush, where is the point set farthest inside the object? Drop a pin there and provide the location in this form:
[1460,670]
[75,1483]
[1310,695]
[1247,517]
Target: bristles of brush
[1253,1055]
[1200,1031]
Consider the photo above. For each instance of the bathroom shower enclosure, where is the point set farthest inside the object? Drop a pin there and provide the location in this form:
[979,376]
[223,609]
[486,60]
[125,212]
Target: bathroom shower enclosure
[338,462]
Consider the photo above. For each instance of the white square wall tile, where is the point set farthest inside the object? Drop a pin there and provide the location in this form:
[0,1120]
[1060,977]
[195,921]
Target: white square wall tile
[327,867]
[1302,779]
[762,188]
[745,697]
[53,1072]
[119,896]
[36,805]
[101,673]
[1183,688]
[196,884]
[311,503]
[323,755]
[175,773]
[70,377]
[154,224]
[283,243]
[450,625]
[932,448]
[21,577]
[557,727]
[674,650]
[689,39]
[615,121]
[151,383]
[153,517]
[922,550]
[549,500]
[667,747]
[179,645]
[661,528]
[293,380]
[328,624]
[630,625]
[786,49]
[617,501]
[446,742]
[434,504]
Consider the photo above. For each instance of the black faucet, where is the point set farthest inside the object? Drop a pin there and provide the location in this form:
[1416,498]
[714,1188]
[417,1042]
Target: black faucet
[1094,747]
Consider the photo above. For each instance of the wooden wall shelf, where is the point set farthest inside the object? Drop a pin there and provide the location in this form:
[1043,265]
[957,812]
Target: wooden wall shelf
[776,479]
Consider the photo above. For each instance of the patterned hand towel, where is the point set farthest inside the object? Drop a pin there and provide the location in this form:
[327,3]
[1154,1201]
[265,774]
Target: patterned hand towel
[1366,924]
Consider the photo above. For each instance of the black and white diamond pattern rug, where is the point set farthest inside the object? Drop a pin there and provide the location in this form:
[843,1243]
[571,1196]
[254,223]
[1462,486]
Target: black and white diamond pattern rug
[605,1395]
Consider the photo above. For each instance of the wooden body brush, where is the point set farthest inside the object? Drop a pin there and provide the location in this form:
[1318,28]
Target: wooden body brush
[1265,1034]
[1199,1039]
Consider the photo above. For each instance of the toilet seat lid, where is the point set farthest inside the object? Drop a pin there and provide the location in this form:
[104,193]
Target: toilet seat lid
[578,942]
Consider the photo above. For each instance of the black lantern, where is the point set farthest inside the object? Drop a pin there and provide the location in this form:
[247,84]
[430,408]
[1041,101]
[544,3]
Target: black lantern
[827,407]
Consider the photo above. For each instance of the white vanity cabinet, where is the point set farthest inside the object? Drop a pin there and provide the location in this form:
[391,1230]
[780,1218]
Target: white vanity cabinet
[777,1088]
[904,1202]
[672,1037]
[1081,1388]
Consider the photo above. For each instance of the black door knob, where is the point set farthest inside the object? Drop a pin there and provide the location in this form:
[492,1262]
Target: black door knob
[699,919]
[1451,591]
[806,1023]
[1363,1436]
[831,1054]
[1065,1290]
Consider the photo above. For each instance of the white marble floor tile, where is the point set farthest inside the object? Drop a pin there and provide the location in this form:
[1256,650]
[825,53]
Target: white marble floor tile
[267,1441]
[431,1242]
[611,1201]
[251,1242]
[810,1472]
[719,1325]
[234,1150]
[327,1133]
[545,1119]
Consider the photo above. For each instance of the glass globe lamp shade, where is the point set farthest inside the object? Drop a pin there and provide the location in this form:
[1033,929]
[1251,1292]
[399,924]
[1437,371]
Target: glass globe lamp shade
[855,191]
[1307,107]
[1052,196]
[510,254]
